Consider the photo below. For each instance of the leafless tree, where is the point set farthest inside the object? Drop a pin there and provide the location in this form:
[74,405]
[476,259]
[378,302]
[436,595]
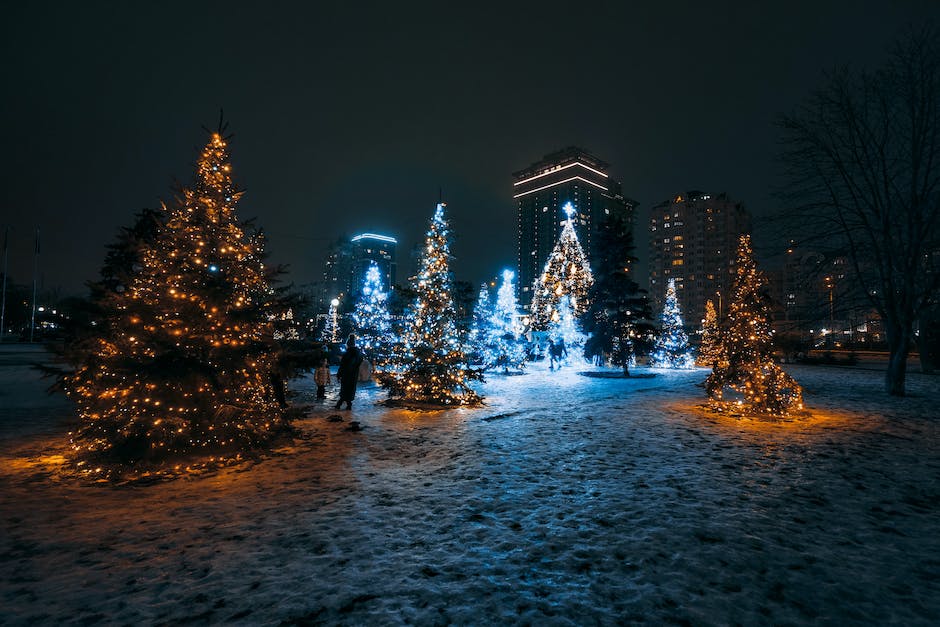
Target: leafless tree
[863,162]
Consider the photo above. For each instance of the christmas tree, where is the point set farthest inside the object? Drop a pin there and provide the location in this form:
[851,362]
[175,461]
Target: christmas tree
[671,349]
[565,326]
[430,365]
[504,347]
[183,362]
[566,273]
[746,363]
[372,320]
[330,333]
[480,326]
[618,320]
[710,349]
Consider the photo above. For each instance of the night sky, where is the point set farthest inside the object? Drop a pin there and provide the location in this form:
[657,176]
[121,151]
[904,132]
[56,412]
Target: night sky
[351,119]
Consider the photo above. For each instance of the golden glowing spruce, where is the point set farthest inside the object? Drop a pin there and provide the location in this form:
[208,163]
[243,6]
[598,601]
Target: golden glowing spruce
[743,361]
[429,365]
[183,357]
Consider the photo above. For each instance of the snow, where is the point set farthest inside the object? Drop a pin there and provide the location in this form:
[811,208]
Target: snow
[565,500]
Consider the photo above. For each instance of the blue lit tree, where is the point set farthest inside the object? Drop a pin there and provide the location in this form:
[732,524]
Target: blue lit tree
[564,325]
[671,349]
[504,347]
[372,320]
[430,365]
[480,327]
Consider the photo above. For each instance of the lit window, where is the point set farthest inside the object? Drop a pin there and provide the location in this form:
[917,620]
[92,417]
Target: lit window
[677,262]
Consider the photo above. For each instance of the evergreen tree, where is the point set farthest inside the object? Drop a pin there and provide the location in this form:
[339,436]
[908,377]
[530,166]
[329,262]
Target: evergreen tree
[566,273]
[372,320]
[480,327]
[565,325]
[184,360]
[504,346]
[746,364]
[710,349]
[431,366]
[671,349]
[618,319]
[331,330]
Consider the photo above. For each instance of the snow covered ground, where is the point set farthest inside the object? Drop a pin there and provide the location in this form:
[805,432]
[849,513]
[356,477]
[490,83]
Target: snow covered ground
[566,500]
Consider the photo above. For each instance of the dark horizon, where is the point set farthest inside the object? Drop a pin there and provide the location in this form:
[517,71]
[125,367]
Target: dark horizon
[348,122]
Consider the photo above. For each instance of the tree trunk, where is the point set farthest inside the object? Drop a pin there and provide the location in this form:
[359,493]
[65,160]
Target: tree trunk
[898,348]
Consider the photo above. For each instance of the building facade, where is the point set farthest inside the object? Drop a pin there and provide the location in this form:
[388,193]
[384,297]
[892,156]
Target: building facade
[693,239]
[347,261]
[541,190]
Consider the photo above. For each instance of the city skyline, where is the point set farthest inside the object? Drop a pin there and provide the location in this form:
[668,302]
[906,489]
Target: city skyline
[332,135]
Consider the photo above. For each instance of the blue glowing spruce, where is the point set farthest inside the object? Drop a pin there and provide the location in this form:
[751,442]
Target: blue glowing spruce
[671,349]
[505,348]
[478,339]
[373,321]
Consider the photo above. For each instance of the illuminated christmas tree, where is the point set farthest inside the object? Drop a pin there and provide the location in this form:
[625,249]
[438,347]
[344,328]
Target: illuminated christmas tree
[480,326]
[330,333]
[183,365]
[710,349]
[430,364]
[746,363]
[671,349]
[566,273]
[504,346]
[618,320]
[564,325]
[372,320]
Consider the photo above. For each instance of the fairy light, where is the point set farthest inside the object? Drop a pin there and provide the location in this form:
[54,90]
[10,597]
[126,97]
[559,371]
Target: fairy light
[496,334]
[429,365]
[745,362]
[183,365]
[710,349]
[566,273]
[671,349]
[372,320]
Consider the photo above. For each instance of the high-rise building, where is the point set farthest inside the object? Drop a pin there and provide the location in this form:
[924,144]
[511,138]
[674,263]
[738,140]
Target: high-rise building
[369,247]
[347,261]
[541,190]
[693,239]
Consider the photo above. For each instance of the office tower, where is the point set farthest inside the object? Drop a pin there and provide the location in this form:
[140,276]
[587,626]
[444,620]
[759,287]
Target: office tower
[693,238]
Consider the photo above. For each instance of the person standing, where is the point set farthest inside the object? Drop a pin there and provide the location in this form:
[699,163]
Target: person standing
[321,377]
[348,373]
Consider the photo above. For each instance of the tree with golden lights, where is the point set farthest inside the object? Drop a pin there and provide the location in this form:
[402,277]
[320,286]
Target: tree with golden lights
[182,363]
[745,364]
[430,365]
[710,349]
[566,273]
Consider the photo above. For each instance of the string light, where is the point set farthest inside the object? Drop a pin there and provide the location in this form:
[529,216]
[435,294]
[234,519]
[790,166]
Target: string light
[372,320]
[566,273]
[183,361]
[745,363]
[671,349]
[429,363]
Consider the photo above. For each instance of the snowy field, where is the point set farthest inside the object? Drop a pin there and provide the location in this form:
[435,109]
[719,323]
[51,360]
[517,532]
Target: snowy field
[566,500]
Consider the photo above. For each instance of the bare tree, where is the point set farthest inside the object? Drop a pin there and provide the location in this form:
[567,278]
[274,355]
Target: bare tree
[863,161]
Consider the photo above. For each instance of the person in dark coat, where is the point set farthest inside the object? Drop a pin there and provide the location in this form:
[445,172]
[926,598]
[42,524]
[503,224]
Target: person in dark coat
[348,373]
